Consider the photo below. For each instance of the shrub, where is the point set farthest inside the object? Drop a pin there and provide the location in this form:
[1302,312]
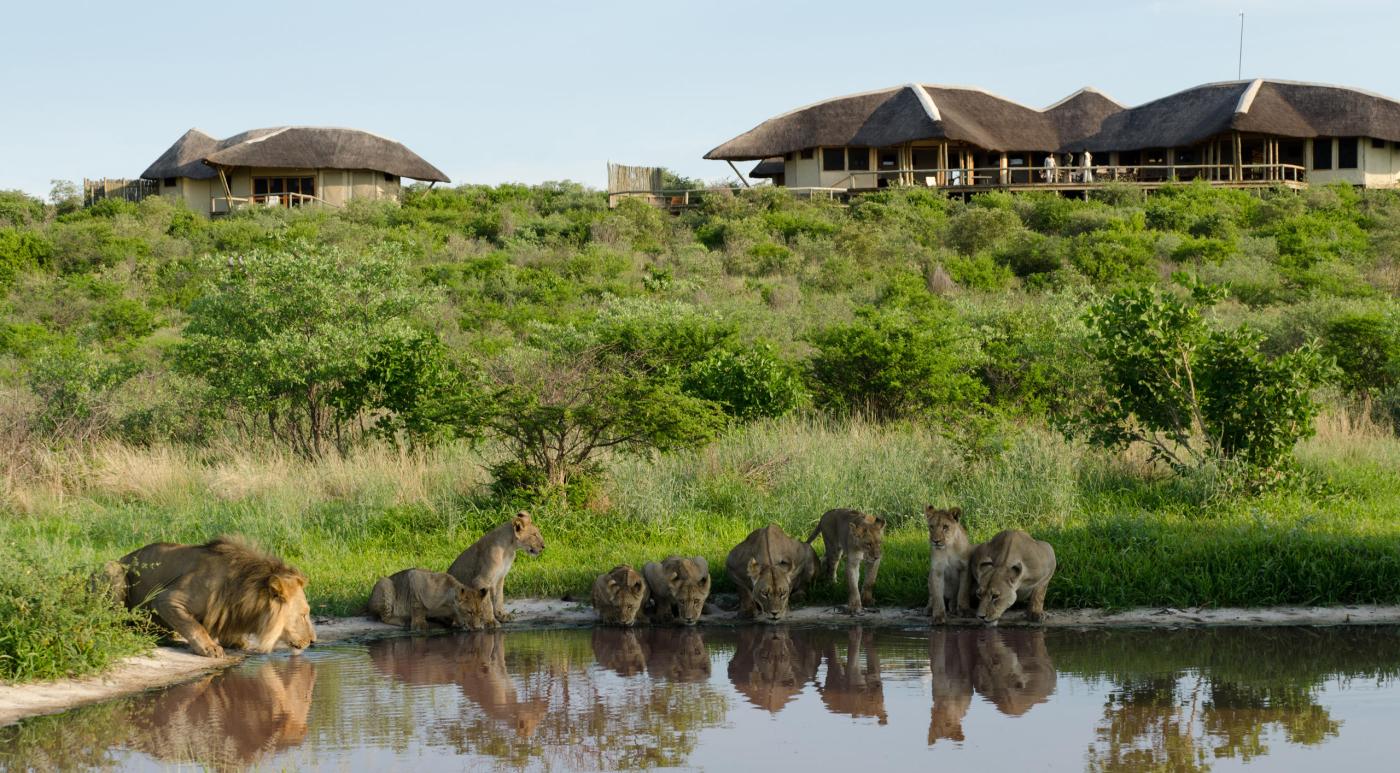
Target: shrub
[749,383]
[1116,256]
[73,383]
[1195,395]
[18,208]
[291,337]
[894,362]
[1366,348]
[976,229]
[52,625]
[21,250]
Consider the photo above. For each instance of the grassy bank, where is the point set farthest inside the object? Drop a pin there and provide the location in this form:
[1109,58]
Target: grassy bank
[1125,536]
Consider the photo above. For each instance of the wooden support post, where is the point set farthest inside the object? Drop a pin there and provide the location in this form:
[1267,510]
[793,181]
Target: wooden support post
[1003,175]
[736,171]
[1238,175]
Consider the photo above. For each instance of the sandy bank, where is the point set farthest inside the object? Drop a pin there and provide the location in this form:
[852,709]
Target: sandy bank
[165,666]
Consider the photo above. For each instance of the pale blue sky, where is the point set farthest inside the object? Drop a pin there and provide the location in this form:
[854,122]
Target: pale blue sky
[532,91]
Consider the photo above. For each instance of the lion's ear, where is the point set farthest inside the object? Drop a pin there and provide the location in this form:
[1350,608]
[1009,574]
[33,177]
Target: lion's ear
[484,591]
[956,513]
[284,586]
[753,569]
[518,524]
[522,515]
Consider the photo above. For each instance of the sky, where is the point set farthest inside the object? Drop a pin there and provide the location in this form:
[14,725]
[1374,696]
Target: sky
[530,91]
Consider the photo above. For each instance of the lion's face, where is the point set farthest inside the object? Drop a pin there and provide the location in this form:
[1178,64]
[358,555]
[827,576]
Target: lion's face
[527,534]
[472,609]
[867,536]
[943,525]
[771,587]
[289,615]
[690,595]
[996,589]
[627,592]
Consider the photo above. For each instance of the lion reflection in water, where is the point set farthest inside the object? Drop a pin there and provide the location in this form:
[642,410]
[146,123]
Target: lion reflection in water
[671,654]
[852,684]
[229,719]
[1011,669]
[474,662]
[771,666]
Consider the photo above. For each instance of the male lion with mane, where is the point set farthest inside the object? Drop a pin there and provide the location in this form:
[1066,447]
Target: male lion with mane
[216,594]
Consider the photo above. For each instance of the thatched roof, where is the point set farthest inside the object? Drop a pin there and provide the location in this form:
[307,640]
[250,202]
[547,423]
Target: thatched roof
[1085,119]
[768,167]
[919,112]
[196,154]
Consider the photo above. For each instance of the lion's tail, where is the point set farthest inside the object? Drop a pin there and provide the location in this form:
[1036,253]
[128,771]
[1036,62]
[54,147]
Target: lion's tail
[815,531]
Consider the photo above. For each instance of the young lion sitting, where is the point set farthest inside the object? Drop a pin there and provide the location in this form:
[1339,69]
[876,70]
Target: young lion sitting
[618,595]
[489,559]
[678,587]
[216,594]
[858,537]
[949,548]
[415,596]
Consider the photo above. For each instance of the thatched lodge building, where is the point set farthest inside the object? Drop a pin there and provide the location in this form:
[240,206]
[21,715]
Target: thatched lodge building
[286,166]
[1252,133]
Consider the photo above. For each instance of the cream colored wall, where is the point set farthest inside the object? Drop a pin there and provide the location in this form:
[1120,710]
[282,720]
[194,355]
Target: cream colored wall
[335,186]
[1334,175]
[803,172]
[1380,165]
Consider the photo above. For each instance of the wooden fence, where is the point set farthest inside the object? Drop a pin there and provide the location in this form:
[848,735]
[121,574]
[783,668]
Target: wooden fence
[624,181]
[118,188]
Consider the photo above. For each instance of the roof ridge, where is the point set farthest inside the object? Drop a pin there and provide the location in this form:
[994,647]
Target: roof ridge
[1247,98]
[1082,90]
[267,136]
[926,101]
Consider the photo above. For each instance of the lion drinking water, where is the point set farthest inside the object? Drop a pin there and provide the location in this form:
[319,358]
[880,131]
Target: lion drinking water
[215,595]
[415,596]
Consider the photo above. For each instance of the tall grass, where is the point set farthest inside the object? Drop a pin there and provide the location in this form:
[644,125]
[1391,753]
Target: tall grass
[1125,534]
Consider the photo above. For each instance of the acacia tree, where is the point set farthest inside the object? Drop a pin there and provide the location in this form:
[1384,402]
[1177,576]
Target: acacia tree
[319,346]
[1192,394]
[559,408]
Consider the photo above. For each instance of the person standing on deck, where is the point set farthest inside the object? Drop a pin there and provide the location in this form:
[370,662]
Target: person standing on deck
[1088,160]
[1049,174]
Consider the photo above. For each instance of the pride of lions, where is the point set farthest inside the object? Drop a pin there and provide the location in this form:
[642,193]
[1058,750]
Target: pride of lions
[218,594]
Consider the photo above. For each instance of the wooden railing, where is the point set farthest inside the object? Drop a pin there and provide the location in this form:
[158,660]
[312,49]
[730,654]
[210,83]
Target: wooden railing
[1075,176]
[266,200]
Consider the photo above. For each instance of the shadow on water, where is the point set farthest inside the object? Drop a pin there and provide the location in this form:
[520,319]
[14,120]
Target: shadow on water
[627,698]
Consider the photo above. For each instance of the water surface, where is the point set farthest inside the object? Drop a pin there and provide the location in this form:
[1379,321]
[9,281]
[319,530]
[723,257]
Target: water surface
[760,697]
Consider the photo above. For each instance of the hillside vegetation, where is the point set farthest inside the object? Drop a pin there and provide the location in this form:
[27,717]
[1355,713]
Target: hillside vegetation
[1140,380]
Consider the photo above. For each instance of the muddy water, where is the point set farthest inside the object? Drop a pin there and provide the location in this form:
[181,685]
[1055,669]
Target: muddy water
[771,698]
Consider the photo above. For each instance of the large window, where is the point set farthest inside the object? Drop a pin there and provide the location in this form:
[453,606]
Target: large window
[858,159]
[276,189]
[1322,153]
[1347,152]
[833,159]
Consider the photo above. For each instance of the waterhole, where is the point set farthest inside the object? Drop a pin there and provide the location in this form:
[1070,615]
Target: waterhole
[765,698]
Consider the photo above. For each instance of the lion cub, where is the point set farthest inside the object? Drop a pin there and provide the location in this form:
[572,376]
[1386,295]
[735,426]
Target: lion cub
[858,537]
[619,595]
[949,546]
[679,587]
[415,596]
[488,560]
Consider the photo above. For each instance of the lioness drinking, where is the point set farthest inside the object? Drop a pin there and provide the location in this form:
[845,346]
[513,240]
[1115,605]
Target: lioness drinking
[216,594]
[415,596]
[858,537]
[489,559]
[618,595]
[1012,567]
[769,567]
[678,587]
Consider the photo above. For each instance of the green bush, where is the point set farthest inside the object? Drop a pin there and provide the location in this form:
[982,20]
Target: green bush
[748,383]
[1194,395]
[1119,255]
[895,362]
[20,251]
[977,229]
[19,209]
[52,625]
[1366,348]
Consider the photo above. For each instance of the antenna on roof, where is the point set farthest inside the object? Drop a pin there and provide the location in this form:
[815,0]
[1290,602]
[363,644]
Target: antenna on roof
[1239,67]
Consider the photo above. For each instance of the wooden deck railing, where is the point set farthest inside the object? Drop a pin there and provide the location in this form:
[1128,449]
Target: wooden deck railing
[1076,177]
[266,199]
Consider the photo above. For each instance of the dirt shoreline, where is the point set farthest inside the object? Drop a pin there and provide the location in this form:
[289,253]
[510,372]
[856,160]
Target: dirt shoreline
[165,666]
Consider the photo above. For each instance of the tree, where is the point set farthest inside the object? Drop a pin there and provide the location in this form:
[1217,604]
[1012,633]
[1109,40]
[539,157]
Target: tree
[65,196]
[314,342]
[1192,394]
[559,408]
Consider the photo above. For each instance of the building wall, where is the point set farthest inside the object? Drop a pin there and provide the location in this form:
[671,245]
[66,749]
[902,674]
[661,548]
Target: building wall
[803,172]
[1334,175]
[1381,166]
[335,186]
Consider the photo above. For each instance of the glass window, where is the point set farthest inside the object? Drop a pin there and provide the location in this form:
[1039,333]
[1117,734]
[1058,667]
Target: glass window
[1375,143]
[1322,153]
[1347,152]
[259,186]
[809,153]
[308,186]
[889,158]
[858,159]
[171,182]
[833,159]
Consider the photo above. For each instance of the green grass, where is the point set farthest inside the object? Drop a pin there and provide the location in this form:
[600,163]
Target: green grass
[1123,537]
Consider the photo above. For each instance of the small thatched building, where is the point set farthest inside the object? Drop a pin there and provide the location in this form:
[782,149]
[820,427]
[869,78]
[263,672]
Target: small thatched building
[1239,132]
[285,166]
